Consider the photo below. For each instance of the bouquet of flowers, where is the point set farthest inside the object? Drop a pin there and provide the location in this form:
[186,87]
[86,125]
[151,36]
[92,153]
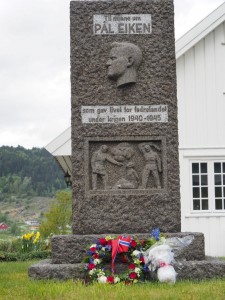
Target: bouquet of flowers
[105,250]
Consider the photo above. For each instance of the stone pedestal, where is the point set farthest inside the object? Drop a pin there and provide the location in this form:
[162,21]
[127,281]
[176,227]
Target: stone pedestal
[70,249]
[209,268]
[68,252]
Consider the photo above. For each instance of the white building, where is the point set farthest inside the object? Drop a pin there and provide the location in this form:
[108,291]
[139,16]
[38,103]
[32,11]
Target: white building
[201,103]
[201,114]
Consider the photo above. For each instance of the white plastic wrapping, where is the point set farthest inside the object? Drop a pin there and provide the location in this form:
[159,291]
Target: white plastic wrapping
[160,257]
[178,244]
[167,274]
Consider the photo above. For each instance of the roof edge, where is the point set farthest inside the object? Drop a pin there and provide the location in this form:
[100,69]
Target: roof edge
[59,141]
[198,32]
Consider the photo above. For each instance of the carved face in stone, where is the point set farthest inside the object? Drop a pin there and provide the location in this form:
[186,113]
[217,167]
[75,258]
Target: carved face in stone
[117,63]
[104,148]
[124,60]
[147,148]
[122,152]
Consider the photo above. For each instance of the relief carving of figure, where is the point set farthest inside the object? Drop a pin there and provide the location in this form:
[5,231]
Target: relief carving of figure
[153,165]
[98,166]
[131,180]
[124,60]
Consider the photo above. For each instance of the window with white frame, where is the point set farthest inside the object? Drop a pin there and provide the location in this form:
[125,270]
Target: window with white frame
[200,186]
[219,182]
[208,186]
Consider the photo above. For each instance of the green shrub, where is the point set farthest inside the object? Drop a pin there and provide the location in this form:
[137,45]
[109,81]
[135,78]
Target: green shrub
[30,242]
[18,256]
[7,256]
[10,245]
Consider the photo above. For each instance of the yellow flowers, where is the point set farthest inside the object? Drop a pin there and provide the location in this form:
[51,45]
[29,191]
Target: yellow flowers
[37,237]
[32,236]
[28,236]
[108,237]
[33,241]
[30,241]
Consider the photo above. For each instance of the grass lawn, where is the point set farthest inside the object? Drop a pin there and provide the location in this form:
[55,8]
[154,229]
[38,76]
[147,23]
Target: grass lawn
[15,285]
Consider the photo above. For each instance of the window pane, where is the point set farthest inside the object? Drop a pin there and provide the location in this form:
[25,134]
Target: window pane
[196,204]
[204,180]
[204,192]
[218,203]
[195,179]
[223,167]
[217,167]
[195,168]
[218,191]
[218,180]
[196,192]
[204,204]
[223,179]
[203,167]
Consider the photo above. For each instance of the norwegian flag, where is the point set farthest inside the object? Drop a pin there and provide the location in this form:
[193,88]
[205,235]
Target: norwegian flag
[119,245]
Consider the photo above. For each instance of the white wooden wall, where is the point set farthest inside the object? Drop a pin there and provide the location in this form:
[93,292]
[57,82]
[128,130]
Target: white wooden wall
[201,88]
[201,115]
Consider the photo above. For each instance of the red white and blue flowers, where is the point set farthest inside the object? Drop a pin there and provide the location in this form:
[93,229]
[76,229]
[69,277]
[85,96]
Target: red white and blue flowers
[130,251]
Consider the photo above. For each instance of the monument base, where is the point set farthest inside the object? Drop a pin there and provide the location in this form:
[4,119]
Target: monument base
[187,270]
[68,252]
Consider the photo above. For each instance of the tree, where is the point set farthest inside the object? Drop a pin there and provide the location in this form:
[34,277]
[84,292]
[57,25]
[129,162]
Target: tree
[4,218]
[14,229]
[29,171]
[59,217]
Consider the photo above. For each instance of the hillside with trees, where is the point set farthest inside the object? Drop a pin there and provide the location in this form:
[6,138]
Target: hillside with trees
[28,172]
[29,180]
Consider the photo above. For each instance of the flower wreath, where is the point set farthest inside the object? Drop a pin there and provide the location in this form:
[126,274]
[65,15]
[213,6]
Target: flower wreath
[103,251]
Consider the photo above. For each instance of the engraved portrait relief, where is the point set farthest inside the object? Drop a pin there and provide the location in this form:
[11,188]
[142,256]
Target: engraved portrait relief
[123,165]
[124,61]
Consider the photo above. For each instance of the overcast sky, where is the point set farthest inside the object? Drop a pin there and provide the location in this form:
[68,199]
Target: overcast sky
[35,67]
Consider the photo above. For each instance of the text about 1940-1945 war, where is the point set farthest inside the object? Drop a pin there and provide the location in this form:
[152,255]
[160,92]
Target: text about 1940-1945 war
[124,114]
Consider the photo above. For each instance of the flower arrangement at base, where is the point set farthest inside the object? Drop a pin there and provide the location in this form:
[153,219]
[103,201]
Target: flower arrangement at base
[131,251]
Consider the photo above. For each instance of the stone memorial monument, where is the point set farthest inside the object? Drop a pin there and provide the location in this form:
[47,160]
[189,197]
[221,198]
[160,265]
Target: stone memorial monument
[124,117]
[124,130]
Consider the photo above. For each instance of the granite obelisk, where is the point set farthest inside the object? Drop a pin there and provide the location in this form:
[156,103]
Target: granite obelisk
[124,117]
